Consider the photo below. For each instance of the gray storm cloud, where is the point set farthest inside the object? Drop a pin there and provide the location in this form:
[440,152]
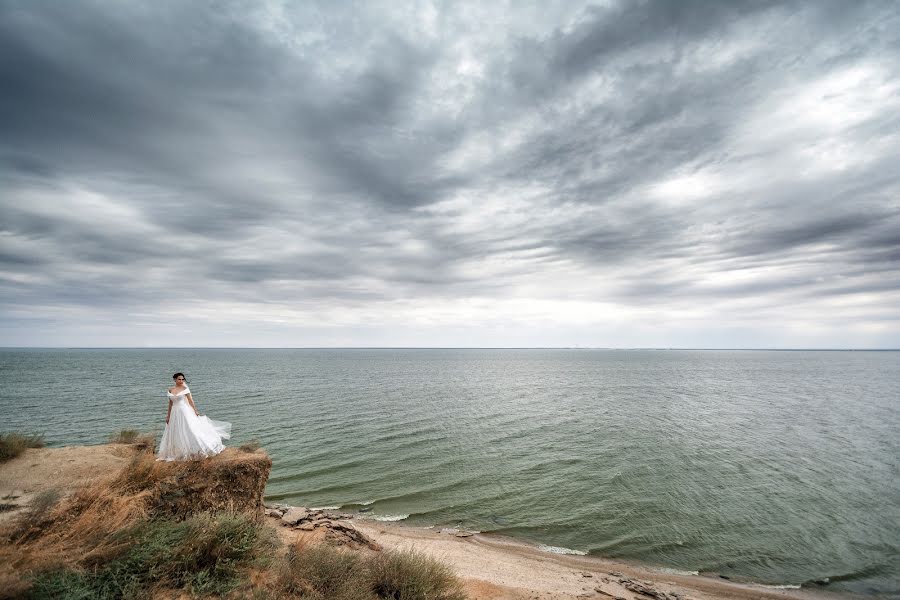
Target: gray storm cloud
[698,174]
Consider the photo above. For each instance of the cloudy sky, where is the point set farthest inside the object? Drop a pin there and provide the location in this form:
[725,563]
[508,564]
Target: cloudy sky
[673,173]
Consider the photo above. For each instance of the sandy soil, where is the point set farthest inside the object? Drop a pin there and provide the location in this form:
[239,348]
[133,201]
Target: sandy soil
[492,567]
[62,469]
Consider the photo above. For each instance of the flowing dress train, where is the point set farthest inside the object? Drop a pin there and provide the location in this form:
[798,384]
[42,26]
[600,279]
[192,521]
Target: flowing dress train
[187,436]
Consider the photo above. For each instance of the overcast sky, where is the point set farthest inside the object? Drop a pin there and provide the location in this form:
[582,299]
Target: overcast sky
[617,174]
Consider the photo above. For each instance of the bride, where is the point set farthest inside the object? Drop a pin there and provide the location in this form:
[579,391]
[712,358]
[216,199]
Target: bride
[187,434]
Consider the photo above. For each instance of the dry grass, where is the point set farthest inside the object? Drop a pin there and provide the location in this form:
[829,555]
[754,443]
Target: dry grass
[133,437]
[251,446]
[321,572]
[84,526]
[408,575]
[14,444]
[204,554]
[125,436]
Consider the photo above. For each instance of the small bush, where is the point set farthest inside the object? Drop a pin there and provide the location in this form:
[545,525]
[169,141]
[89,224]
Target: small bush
[407,575]
[251,446]
[324,573]
[133,437]
[14,444]
[321,572]
[125,436]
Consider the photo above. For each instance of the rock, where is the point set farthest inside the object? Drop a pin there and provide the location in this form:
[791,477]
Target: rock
[464,534]
[305,527]
[345,516]
[344,534]
[616,574]
[645,589]
[321,523]
[587,575]
[294,515]
[274,512]
[365,509]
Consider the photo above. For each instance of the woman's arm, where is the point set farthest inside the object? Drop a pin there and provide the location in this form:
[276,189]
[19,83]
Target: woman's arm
[191,400]
[168,412]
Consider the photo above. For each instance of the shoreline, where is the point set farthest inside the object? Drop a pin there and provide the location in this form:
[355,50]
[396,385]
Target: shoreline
[492,566]
[646,570]
[517,565]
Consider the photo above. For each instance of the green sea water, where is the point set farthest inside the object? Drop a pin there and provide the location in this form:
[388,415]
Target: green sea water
[772,466]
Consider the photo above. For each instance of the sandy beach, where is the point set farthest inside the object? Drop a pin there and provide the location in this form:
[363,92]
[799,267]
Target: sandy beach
[492,567]
[496,567]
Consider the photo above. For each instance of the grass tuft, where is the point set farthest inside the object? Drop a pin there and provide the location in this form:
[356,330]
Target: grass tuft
[251,446]
[14,444]
[321,572]
[133,437]
[409,575]
[37,518]
[125,436]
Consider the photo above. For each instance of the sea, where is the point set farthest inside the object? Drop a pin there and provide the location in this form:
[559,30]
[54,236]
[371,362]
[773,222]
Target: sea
[776,467]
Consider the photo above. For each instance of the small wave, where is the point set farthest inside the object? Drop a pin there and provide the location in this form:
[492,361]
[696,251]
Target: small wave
[560,550]
[353,505]
[324,508]
[786,586]
[389,518]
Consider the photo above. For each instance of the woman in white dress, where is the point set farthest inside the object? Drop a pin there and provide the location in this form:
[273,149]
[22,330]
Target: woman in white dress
[188,435]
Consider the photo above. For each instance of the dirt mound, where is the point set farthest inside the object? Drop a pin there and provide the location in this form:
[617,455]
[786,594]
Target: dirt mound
[232,481]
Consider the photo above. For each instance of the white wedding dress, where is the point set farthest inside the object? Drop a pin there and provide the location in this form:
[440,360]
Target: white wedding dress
[187,436]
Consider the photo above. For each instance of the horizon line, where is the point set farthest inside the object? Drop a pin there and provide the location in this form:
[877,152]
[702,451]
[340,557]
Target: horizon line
[672,348]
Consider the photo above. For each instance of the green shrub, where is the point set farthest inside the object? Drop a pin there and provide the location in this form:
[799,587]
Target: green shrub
[13,444]
[324,573]
[70,585]
[408,575]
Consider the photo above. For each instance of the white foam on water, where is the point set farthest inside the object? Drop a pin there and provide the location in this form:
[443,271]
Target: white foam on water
[324,508]
[560,550]
[386,517]
[787,586]
[676,571]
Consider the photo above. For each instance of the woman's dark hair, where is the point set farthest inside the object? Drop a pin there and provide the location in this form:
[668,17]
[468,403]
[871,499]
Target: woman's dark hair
[175,376]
